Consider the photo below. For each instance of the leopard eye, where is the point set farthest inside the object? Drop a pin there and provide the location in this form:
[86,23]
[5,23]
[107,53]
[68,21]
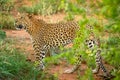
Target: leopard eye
[16,21]
[21,17]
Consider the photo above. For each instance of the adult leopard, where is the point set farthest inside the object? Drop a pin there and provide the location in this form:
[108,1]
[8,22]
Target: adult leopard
[46,36]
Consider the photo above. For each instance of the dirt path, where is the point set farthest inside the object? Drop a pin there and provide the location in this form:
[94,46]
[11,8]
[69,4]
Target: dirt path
[23,42]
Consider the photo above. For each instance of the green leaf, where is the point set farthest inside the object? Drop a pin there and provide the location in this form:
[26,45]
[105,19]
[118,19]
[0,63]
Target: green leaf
[2,35]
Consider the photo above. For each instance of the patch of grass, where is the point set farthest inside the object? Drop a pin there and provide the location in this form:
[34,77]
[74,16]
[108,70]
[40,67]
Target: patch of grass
[13,65]
[6,5]
[6,21]
[43,7]
[2,35]
[87,76]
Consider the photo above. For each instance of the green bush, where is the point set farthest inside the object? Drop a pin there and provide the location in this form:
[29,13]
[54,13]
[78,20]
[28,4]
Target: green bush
[2,35]
[46,7]
[43,7]
[6,5]
[87,76]
[112,13]
[111,54]
[7,21]
[13,65]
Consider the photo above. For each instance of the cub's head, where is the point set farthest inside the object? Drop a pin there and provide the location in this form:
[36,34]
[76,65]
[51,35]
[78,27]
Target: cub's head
[22,21]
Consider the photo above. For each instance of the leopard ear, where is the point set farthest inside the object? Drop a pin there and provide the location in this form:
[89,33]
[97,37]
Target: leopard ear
[18,15]
[30,15]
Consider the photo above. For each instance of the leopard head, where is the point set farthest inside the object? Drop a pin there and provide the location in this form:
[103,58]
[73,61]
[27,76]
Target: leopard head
[22,21]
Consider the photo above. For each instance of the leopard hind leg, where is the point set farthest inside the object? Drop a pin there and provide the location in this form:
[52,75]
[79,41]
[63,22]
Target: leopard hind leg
[76,66]
[99,65]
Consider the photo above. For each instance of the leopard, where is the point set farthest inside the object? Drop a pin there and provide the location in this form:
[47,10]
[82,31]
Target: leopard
[46,36]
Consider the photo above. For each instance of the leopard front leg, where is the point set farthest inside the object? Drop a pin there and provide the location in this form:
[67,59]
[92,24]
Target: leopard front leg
[39,55]
[40,52]
[39,60]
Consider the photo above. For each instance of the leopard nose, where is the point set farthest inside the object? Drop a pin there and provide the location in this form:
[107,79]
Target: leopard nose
[20,26]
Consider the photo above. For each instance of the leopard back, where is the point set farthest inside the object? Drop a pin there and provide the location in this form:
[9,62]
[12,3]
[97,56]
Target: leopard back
[52,35]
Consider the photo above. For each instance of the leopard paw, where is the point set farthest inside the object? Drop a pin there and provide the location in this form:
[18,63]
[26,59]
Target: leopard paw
[95,71]
[68,71]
